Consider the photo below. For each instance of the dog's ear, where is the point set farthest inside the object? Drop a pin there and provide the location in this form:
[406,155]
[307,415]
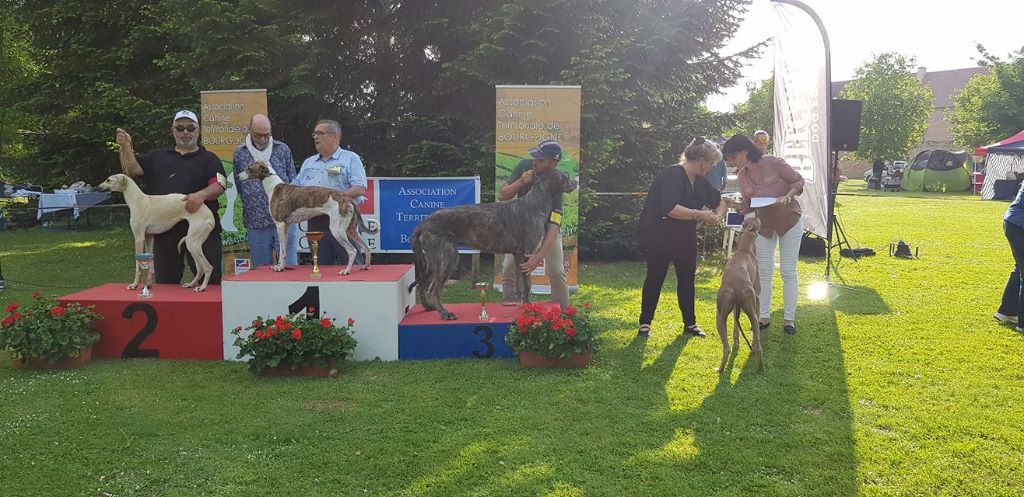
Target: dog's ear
[568,184]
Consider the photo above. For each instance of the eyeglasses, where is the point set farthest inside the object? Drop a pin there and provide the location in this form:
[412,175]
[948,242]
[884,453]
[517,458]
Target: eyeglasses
[322,133]
[182,129]
[260,135]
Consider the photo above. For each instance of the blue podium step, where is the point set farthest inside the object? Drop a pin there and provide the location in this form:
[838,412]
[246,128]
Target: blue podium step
[423,334]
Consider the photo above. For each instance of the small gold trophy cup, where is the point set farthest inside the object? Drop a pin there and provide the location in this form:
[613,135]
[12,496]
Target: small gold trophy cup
[314,244]
[482,286]
[145,262]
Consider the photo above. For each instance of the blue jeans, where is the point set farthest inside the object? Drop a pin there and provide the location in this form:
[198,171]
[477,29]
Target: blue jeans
[1013,294]
[263,244]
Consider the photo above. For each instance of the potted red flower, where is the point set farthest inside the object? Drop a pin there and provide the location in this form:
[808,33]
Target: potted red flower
[300,344]
[548,336]
[45,334]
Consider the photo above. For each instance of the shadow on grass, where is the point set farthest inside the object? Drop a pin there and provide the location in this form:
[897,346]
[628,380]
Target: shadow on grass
[860,300]
[786,430]
[637,423]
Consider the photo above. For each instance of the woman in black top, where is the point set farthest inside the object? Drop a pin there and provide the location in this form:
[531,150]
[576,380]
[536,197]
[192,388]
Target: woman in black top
[668,229]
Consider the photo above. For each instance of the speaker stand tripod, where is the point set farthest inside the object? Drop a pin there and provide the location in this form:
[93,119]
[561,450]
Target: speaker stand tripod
[836,233]
[840,241]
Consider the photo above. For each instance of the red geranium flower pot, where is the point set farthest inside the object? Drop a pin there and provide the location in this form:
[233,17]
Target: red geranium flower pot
[84,357]
[531,359]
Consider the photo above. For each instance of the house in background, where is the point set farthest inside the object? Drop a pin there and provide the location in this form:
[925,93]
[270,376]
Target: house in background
[944,85]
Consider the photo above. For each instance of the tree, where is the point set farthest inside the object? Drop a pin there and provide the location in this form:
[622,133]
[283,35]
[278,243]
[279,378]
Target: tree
[412,83]
[971,122]
[758,111]
[98,71]
[18,60]
[896,107]
[990,107]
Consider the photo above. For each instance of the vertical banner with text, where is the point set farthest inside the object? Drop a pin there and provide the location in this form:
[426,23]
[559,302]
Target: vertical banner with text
[524,117]
[224,118]
[801,110]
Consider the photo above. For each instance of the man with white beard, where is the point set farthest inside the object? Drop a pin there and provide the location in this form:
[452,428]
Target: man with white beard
[189,169]
[260,146]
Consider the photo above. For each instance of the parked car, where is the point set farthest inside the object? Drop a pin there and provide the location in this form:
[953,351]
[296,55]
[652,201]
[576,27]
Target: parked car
[895,166]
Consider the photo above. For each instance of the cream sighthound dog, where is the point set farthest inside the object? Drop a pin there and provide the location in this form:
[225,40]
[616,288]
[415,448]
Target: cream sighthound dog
[740,288]
[290,204]
[156,214]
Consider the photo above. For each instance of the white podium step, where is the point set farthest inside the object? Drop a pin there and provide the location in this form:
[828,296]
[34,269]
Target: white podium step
[377,299]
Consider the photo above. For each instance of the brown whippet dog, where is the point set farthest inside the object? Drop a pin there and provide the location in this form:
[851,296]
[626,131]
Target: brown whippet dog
[740,288]
[155,214]
[290,204]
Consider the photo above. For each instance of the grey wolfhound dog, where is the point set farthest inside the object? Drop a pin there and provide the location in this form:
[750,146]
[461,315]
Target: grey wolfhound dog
[739,292]
[514,227]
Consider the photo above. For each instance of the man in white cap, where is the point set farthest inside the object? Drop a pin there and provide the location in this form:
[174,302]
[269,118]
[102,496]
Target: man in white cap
[545,158]
[260,146]
[187,168]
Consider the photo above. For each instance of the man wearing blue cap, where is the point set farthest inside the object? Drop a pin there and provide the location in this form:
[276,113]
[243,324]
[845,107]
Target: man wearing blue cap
[545,159]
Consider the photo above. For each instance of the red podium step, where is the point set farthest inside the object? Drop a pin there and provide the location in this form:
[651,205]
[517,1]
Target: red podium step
[176,323]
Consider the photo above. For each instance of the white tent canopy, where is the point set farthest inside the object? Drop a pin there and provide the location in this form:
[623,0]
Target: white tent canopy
[1000,166]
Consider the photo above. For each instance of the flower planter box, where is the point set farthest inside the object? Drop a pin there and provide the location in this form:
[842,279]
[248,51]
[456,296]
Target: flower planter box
[84,357]
[531,359]
[315,371]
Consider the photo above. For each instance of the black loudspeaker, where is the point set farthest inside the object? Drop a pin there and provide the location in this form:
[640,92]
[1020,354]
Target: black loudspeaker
[846,124]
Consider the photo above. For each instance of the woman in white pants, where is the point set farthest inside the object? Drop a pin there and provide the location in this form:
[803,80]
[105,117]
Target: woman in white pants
[761,175]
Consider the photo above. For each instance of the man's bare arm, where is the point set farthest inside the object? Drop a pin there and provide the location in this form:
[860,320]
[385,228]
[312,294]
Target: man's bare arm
[129,164]
[354,191]
[194,201]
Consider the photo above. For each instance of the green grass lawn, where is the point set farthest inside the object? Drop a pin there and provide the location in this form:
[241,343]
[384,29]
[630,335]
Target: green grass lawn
[900,383]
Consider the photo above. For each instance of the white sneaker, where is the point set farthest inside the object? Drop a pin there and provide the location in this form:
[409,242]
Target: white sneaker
[1003,318]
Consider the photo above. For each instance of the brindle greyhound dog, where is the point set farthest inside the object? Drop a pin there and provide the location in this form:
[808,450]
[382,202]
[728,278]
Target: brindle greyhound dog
[514,227]
[290,204]
[740,287]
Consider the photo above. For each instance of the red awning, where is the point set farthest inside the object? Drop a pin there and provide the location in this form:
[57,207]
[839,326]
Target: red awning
[982,151]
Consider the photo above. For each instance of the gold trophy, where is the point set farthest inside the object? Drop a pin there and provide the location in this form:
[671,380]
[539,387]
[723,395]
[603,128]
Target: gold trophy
[482,286]
[314,244]
[145,262]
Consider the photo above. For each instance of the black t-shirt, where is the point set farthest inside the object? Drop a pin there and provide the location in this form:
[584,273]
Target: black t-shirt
[523,166]
[670,188]
[167,171]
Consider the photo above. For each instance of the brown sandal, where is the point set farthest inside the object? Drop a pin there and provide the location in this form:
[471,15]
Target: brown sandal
[644,331]
[694,330]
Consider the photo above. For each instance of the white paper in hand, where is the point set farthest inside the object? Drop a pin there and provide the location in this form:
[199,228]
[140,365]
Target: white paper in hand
[756,202]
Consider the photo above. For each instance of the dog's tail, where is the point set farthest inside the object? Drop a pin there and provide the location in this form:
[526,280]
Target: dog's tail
[362,223]
[417,255]
[179,244]
[736,329]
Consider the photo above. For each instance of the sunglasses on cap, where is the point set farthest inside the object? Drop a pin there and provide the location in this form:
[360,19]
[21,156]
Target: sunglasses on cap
[181,128]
